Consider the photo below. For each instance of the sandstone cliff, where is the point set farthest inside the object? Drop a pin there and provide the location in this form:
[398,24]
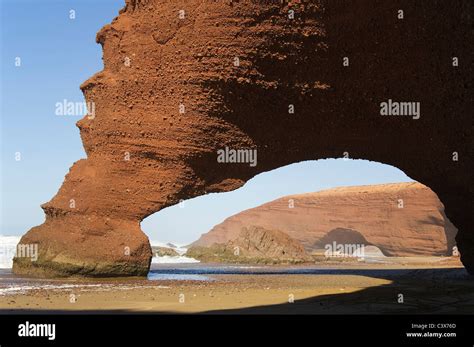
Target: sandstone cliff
[183,79]
[401,219]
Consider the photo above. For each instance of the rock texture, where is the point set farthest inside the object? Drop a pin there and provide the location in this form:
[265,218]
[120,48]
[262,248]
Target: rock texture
[253,244]
[368,215]
[183,79]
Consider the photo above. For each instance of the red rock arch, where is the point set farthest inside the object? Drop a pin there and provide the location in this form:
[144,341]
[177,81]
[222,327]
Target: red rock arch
[188,64]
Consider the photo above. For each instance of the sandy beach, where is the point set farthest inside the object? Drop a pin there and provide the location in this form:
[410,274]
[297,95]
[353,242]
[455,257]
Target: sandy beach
[407,287]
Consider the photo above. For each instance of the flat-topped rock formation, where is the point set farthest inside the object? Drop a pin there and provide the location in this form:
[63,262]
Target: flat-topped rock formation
[402,219]
[185,79]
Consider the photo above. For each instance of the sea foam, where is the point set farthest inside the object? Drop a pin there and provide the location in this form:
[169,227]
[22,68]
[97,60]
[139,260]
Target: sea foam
[181,259]
[8,247]
[7,250]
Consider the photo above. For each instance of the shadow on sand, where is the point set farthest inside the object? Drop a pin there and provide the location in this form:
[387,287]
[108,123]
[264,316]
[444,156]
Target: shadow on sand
[421,291]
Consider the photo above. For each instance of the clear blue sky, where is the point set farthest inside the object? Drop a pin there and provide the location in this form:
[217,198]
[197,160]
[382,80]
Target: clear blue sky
[57,54]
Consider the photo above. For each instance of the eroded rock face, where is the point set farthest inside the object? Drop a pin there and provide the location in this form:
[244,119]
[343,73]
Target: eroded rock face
[253,244]
[178,86]
[404,219]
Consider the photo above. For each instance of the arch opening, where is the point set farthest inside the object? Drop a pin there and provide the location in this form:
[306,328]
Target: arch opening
[316,204]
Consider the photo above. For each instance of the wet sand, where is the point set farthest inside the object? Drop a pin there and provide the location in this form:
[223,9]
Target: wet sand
[356,289]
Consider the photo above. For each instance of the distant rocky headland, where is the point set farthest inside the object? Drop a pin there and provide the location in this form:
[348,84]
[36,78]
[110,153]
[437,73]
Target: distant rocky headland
[401,219]
[253,245]
[159,251]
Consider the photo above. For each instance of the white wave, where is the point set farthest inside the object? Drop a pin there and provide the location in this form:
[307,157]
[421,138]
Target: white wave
[173,260]
[15,289]
[7,250]
[21,289]
[8,247]
[171,245]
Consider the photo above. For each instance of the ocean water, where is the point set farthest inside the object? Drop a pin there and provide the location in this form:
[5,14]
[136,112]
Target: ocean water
[160,273]
[181,250]
[8,246]
[182,268]
[11,284]
[173,260]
